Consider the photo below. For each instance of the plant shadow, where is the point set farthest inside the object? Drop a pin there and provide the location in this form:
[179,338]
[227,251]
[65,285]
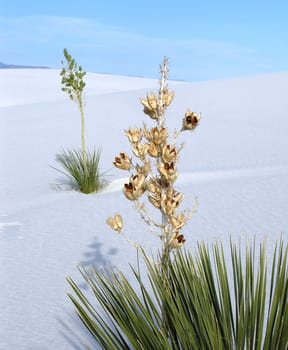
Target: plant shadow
[65,183]
[95,258]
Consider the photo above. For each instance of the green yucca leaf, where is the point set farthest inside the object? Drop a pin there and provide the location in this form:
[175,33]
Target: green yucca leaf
[200,306]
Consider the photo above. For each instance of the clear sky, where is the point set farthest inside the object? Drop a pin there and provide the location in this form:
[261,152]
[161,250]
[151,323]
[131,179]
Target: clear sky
[204,39]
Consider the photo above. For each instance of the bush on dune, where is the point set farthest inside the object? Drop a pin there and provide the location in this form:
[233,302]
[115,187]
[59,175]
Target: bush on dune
[190,301]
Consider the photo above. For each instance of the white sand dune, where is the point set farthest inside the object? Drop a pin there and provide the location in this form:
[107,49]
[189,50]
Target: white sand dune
[40,85]
[235,163]
[211,176]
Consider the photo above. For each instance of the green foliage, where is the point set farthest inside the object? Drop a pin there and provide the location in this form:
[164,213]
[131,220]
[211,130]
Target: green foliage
[88,179]
[72,78]
[210,302]
[130,323]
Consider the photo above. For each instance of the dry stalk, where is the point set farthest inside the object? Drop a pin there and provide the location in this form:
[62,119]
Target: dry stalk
[155,172]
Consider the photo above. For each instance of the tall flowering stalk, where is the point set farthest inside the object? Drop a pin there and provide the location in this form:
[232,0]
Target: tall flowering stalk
[80,166]
[154,172]
[72,80]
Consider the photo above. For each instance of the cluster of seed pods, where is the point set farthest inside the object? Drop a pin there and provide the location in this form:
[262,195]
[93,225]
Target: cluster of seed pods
[155,171]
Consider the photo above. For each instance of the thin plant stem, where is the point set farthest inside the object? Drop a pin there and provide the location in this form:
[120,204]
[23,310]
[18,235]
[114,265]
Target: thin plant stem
[84,151]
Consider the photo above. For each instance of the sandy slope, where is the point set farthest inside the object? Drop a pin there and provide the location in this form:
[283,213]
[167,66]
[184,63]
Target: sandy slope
[236,163]
[26,86]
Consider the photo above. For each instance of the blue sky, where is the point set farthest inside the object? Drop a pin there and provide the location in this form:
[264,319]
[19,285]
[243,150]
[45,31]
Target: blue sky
[203,39]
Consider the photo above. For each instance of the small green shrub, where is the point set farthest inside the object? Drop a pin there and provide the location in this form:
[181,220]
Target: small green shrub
[86,179]
[205,308]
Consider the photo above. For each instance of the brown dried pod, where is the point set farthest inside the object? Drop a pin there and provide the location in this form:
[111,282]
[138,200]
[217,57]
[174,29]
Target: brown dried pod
[168,171]
[140,150]
[177,197]
[123,161]
[159,135]
[154,200]
[148,109]
[168,206]
[190,120]
[178,221]
[138,181]
[167,97]
[153,187]
[135,188]
[153,150]
[116,222]
[152,100]
[134,134]
[169,153]
[170,203]
[144,169]
[148,133]
[177,240]
[131,192]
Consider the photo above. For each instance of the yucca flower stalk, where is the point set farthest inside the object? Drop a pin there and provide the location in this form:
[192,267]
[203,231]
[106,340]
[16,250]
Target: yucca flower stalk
[154,172]
[72,80]
[81,166]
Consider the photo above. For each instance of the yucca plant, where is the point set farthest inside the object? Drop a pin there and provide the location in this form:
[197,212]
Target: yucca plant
[206,307]
[153,173]
[81,167]
[191,302]
[85,179]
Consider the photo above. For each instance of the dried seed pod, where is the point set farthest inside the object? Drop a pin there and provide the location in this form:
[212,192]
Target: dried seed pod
[140,150]
[176,240]
[170,202]
[154,192]
[169,206]
[116,222]
[153,186]
[135,188]
[154,201]
[148,109]
[152,100]
[168,171]
[129,191]
[147,133]
[138,181]
[134,134]
[159,135]
[169,153]
[177,197]
[153,150]
[190,120]
[178,221]
[123,161]
[167,97]
[144,169]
